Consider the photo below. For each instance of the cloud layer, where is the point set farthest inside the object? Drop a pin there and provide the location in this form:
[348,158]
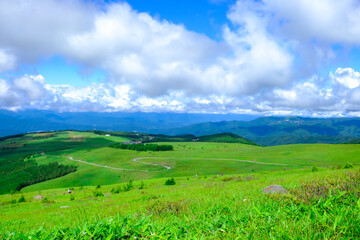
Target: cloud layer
[268,61]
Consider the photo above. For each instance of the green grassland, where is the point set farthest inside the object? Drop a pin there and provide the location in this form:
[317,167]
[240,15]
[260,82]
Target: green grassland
[212,207]
[217,193]
[187,159]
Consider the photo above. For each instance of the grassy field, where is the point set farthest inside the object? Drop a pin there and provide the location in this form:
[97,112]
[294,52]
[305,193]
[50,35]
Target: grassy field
[212,207]
[189,159]
[217,195]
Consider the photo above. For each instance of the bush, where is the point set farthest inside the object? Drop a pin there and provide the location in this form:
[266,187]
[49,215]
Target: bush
[98,193]
[142,185]
[21,199]
[98,186]
[314,169]
[128,186]
[116,190]
[72,198]
[348,165]
[170,182]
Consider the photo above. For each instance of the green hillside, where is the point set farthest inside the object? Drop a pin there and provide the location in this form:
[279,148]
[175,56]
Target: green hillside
[97,163]
[225,138]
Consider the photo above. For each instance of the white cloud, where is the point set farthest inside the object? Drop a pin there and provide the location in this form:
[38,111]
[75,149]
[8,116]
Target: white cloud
[266,62]
[347,77]
[21,92]
[32,29]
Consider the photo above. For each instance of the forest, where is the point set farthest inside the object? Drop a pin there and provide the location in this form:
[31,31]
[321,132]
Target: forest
[19,173]
[143,147]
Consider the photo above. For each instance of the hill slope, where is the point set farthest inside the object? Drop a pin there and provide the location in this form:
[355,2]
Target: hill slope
[97,163]
[225,138]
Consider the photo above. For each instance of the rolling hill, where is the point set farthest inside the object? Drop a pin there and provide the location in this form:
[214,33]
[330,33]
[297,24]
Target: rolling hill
[97,163]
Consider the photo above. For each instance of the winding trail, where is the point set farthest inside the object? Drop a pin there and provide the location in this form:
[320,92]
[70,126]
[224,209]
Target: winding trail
[154,164]
[104,166]
[167,167]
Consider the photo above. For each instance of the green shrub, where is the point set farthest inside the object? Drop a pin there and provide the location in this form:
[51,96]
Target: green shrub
[142,185]
[348,165]
[72,198]
[97,193]
[128,186]
[21,199]
[98,186]
[315,169]
[170,182]
[116,190]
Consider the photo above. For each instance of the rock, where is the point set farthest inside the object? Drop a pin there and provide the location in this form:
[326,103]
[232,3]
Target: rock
[38,197]
[275,189]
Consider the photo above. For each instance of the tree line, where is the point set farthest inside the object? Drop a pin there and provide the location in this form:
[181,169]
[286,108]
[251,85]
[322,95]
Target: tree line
[19,173]
[143,147]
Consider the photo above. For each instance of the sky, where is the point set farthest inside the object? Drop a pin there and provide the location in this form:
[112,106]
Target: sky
[261,57]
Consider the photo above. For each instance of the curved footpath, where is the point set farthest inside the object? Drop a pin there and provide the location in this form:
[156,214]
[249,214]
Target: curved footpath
[104,166]
[167,167]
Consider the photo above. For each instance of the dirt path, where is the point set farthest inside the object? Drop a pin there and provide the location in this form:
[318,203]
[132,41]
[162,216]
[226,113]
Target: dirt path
[154,164]
[206,159]
[167,167]
[104,166]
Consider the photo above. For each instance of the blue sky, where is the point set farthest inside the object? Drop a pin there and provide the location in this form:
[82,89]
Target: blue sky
[269,57]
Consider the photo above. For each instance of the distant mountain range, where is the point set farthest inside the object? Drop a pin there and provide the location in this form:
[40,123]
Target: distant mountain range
[280,130]
[36,120]
[262,130]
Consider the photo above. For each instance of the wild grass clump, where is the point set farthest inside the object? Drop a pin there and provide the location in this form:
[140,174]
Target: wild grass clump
[160,208]
[239,179]
[48,201]
[349,183]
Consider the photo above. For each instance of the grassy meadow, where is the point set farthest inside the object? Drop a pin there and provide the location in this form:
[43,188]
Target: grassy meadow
[217,195]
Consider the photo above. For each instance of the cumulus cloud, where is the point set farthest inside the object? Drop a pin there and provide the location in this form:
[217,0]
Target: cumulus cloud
[267,60]
[348,77]
[39,28]
[21,92]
